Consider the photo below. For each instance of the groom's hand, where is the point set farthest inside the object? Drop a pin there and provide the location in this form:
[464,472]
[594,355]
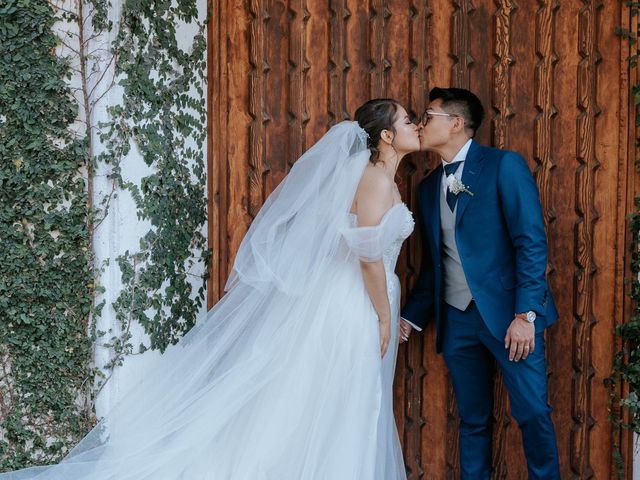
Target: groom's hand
[520,339]
[405,330]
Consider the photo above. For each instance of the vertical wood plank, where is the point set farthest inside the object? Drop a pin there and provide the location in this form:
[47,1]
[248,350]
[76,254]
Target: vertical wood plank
[358,83]
[546,111]
[502,113]
[379,65]
[586,267]
[460,40]
[317,44]
[298,68]
[411,404]
[609,229]
[215,144]
[629,183]
[274,164]
[338,62]
[240,122]
[260,116]
[559,338]
[399,17]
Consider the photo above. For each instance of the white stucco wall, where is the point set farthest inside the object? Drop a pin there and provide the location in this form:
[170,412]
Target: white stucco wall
[121,229]
[636,457]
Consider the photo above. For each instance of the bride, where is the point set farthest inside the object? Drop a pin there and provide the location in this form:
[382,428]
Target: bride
[290,375]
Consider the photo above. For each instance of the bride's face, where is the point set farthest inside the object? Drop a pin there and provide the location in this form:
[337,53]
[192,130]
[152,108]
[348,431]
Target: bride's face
[406,138]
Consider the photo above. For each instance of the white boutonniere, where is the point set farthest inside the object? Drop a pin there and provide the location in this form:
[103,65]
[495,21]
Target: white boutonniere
[455,186]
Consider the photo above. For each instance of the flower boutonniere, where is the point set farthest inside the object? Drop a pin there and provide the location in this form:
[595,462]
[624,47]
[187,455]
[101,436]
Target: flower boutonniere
[455,186]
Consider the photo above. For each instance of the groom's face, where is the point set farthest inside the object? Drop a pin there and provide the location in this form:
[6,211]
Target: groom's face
[437,126]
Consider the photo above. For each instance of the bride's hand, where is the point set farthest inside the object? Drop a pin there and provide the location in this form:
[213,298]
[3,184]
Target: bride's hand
[385,335]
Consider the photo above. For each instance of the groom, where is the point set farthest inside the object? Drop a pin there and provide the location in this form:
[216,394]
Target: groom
[483,278]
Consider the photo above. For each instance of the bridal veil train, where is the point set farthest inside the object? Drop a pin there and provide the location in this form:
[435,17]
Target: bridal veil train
[283,379]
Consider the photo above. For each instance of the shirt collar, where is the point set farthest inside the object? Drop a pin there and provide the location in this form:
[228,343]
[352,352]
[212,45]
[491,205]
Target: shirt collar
[462,153]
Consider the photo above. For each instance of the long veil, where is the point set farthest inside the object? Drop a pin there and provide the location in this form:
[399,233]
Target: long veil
[305,214]
[201,396]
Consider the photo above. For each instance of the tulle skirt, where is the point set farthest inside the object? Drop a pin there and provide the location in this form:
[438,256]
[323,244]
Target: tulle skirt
[267,387]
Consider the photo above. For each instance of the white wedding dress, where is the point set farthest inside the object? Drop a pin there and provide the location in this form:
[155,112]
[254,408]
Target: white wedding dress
[270,386]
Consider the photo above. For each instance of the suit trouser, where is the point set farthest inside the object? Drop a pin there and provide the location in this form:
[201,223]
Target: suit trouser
[471,353]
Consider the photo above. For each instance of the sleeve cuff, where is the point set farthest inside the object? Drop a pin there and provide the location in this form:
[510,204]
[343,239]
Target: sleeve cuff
[414,326]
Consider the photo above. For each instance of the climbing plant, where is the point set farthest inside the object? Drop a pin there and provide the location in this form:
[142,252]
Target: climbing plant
[625,403]
[46,269]
[49,212]
[163,113]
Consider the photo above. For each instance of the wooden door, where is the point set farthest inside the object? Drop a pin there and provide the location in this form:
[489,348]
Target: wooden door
[555,83]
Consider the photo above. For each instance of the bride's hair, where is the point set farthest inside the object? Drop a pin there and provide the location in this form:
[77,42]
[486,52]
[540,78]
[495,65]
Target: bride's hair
[375,116]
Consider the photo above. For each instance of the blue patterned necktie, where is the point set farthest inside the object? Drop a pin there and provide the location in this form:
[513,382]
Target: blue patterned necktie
[450,169]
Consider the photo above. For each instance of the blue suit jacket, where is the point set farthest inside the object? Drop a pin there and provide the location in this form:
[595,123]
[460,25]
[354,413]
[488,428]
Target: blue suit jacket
[501,241]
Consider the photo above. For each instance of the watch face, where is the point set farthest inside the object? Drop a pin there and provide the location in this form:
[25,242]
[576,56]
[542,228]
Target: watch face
[531,317]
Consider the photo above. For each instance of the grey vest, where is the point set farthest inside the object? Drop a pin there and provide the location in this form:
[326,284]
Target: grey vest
[456,290]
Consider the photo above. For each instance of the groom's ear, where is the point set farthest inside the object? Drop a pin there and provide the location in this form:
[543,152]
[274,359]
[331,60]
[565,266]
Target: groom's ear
[458,125]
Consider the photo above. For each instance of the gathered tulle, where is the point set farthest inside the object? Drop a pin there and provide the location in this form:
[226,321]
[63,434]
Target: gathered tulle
[297,231]
[278,382]
[370,243]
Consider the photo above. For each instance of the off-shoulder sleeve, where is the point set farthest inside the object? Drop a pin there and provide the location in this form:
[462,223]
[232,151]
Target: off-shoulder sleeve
[370,243]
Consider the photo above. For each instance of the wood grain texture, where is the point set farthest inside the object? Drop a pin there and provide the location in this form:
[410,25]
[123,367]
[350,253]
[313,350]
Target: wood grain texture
[584,315]
[298,68]
[283,71]
[460,40]
[215,145]
[338,62]
[410,403]
[379,64]
[276,156]
[628,184]
[259,69]
[502,114]
[546,111]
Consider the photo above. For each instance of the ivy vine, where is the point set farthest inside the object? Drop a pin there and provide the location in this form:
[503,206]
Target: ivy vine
[163,113]
[49,212]
[46,269]
[625,407]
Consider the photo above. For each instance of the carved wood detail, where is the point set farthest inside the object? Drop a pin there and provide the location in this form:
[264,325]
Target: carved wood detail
[283,71]
[460,39]
[412,355]
[298,114]
[338,61]
[258,167]
[379,64]
[500,123]
[584,258]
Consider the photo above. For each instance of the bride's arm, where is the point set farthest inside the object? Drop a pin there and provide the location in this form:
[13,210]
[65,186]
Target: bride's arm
[373,200]
[376,283]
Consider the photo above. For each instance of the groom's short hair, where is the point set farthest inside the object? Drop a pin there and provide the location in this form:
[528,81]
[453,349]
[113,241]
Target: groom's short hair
[462,102]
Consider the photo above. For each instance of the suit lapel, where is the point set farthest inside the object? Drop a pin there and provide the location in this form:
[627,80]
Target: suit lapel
[470,175]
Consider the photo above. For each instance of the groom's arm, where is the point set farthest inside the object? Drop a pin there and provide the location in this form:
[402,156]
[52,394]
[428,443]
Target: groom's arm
[419,307]
[523,215]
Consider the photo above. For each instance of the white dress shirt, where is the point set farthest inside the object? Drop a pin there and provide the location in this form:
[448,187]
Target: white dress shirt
[461,156]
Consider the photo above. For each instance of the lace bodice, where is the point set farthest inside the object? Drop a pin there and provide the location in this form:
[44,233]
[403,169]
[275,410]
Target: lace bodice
[391,253]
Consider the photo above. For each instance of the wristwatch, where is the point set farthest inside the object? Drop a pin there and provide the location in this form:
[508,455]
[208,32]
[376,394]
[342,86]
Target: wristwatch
[529,316]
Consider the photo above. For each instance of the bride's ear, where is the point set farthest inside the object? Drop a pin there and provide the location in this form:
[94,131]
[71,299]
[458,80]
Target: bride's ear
[387,136]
